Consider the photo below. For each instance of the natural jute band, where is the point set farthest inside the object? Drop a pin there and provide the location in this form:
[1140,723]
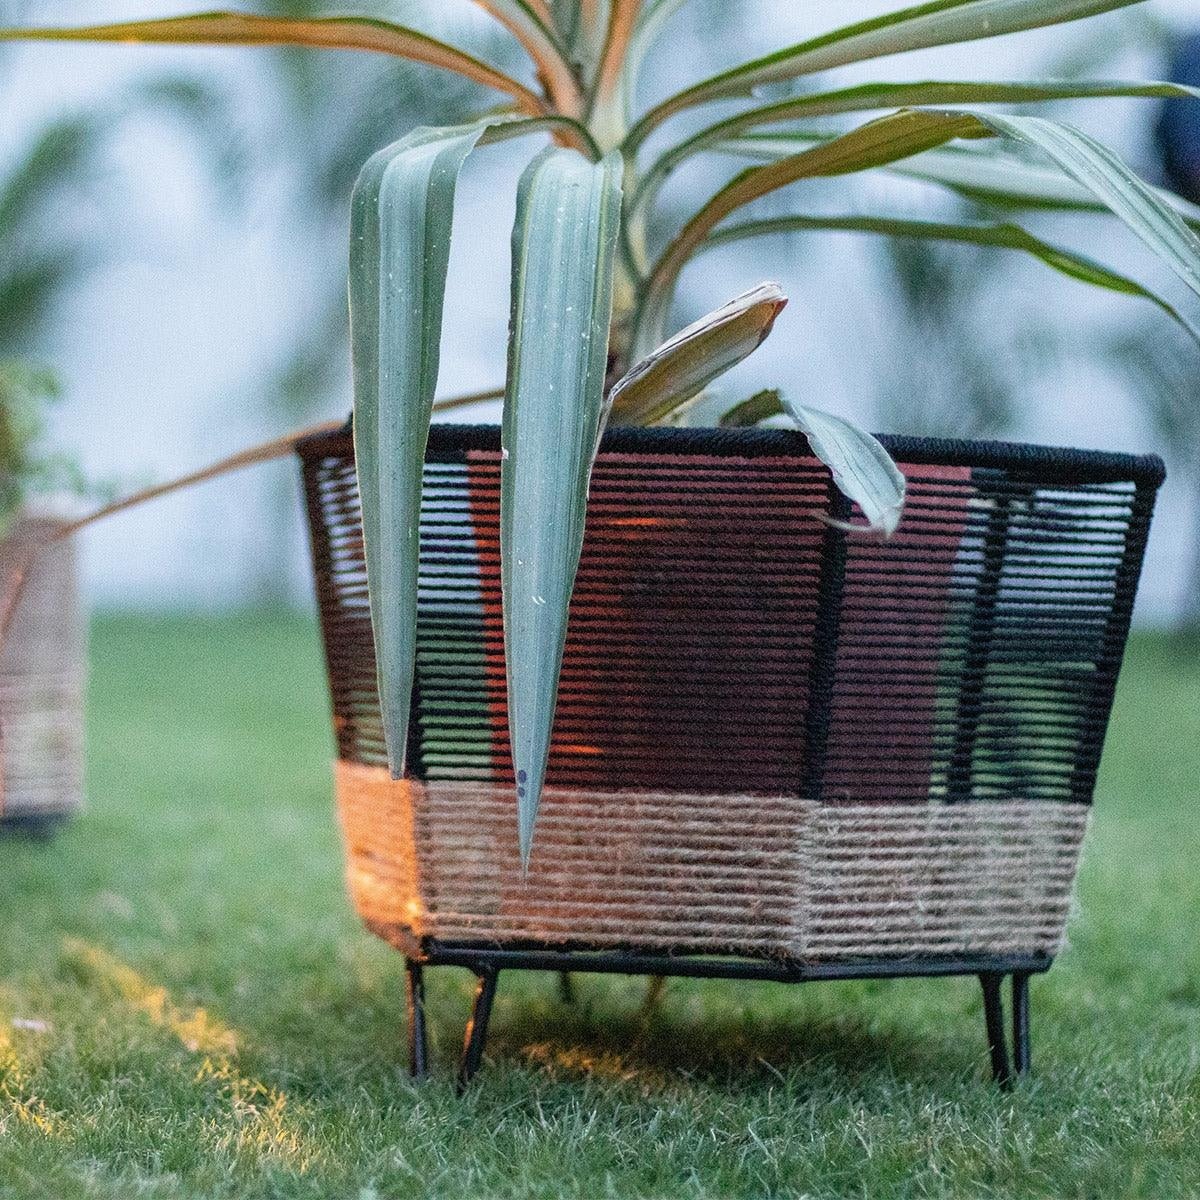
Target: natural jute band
[761,875]
[42,679]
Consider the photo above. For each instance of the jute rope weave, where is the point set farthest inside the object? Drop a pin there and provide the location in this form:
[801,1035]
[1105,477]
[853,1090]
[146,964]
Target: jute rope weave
[722,873]
[42,673]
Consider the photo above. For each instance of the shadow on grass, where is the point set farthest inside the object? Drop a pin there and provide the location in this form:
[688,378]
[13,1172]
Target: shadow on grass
[731,1043]
[725,1052]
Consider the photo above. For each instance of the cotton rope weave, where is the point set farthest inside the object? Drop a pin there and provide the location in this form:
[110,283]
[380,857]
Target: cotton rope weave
[772,738]
[42,675]
[719,874]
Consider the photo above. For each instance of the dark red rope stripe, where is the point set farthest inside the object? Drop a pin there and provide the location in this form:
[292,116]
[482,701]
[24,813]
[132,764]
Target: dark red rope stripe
[975,657]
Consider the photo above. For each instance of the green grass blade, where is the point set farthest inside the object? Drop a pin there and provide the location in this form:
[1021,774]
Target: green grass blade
[401,215]
[940,23]
[862,469]
[331,33]
[564,247]
[687,363]
[1002,235]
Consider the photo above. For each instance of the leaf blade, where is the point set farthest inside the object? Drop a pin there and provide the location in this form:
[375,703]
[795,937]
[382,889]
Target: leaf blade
[536,34]
[939,23]
[910,132]
[881,95]
[688,362]
[1002,235]
[564,250]
[862,469]
[330,33]
[401,217]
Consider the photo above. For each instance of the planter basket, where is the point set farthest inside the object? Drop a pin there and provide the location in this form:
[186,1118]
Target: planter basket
[42,671]
[780,750]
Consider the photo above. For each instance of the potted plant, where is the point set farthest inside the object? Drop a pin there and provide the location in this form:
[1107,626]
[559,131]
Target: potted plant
[42,662]
[737,627]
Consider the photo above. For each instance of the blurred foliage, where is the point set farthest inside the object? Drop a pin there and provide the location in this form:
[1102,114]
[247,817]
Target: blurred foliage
[966,380]
[48,242]
[330,120]
[27,468]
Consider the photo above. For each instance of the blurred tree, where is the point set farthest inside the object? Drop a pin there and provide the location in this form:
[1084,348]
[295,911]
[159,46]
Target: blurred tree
[1161,371]
[44,244]
[968,382]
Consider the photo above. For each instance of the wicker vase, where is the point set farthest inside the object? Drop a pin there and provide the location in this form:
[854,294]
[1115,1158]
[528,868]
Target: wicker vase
[774,739]
[42,676]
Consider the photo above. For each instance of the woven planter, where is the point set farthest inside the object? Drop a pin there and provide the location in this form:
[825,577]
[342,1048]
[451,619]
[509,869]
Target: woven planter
[42,675]
[773,739]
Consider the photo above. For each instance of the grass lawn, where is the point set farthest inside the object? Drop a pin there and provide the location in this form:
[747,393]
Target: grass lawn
[210,1020]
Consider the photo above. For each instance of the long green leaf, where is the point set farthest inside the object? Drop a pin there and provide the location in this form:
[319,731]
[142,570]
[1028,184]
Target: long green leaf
[401,216]
[537,35]
[331,33]
[979,172]
[888,139]
[862,469]
[913,131]
[940,23]
[607,117]
[868,96]
[564,247]
[1096,168]
[694,357]
[1002,235]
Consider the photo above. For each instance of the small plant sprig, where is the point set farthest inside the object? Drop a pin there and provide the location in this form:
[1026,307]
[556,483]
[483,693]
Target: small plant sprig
[592,289]
[27,468]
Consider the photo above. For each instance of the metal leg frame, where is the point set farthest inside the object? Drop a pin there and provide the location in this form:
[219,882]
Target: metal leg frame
[477,1028]
[993,1012]
[418,1041]
[566,987]
[487,972]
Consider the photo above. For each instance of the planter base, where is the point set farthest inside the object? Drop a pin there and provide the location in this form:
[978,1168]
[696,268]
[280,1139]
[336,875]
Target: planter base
[668,872]
[486,963]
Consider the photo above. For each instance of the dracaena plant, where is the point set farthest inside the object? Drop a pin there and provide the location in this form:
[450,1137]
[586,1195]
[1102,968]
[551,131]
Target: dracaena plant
[594,274]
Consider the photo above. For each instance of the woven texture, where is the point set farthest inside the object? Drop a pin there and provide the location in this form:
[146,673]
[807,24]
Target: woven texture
[672,871]
[739,670]
[42,681]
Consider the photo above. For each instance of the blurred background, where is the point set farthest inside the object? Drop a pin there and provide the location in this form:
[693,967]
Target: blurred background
[172,260]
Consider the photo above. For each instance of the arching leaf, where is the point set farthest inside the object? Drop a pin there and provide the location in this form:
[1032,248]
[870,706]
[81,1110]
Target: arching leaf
[330,33]
[694,357]
[939,23]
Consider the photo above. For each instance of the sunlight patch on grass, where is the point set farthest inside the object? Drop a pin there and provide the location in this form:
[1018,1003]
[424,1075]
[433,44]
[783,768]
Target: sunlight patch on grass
[261,1114]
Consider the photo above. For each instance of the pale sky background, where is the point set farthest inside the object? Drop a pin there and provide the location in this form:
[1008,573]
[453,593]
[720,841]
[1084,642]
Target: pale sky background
[164,347]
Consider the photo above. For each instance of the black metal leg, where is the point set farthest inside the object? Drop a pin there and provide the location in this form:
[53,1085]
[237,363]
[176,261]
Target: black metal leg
[1020,1020]
[477,1027]
[655,986]
[418,1045]
[566,987]
[993,1012]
